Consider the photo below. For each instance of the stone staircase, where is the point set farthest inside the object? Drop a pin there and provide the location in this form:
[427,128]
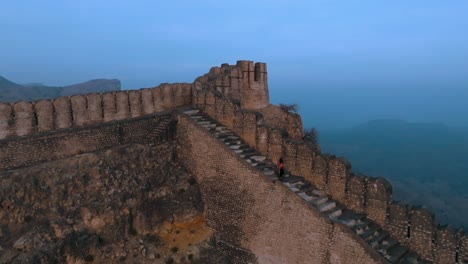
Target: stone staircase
[370,232]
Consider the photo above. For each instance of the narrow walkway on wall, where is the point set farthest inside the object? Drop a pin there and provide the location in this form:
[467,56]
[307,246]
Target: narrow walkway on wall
[365,229]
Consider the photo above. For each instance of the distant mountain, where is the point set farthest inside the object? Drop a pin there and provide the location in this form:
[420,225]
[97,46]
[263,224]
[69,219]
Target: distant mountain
[425,162]
[12,92]
[93,86]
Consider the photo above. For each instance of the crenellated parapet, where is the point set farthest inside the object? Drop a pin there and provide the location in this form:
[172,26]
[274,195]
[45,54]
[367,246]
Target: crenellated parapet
[414,227]
[26,118]
[245,82]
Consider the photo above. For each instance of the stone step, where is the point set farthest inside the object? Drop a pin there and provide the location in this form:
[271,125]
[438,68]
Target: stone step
[375,240]
[203,122]
[387,244]
[319,200]
[221,128]
[396,253]
[369,231]
[335,212]
[293,179]
[238,146]
[327,206]
[411,258]
[318,193]
[305,197]
[192,111]
[258,158]
[248,154]
[268,172]
[209,126]
[196,117]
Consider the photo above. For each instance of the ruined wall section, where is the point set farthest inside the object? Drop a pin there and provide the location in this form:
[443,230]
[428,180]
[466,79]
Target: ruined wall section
[53,145]
[26,118]
[245,83]
[414,227]
[248,211]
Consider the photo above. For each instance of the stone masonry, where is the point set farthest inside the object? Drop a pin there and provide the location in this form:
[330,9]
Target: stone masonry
[276,222]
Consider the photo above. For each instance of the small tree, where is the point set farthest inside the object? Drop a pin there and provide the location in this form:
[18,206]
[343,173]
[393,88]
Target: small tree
[289,108]
[311,138]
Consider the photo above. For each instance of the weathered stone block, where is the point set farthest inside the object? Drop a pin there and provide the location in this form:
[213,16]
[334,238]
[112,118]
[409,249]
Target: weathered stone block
[45,115]
[63,115]
[290,155]
[147,101]
[158,99]
[338,175]
[398,222]
[262,140]
[23,118]
[79,111]
[379,196]
[168,96]
[5,115]
[356,193]
[304,160]
[422,232]
[109,105]
[320,173]
[95,111]
[134,98]
[122,105]
[445,245]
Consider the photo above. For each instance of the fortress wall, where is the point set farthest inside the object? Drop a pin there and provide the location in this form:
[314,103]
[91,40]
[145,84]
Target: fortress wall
[109,105]
[247,210]
[445,245]
[305,161]
[378,199]
[320,173]
[356,195]
[290,155]
[94,108]
[372,196]
[26,118]
[463,249]
[134,98]
[250,128]
[6,112]
[52,145]
[45,118]
[338,176]
[398,222]
[79,111]
[62,112]
[245,82]
[422,232]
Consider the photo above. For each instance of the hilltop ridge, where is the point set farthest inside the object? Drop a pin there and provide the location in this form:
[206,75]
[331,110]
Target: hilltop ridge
[12,92]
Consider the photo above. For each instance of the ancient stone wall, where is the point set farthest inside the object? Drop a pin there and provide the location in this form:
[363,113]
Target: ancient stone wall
[368,195]
[249,211]
[26,118]
[52,145]
[245,82]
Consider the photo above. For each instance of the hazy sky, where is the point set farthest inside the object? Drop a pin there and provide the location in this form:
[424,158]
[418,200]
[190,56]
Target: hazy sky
[343,62]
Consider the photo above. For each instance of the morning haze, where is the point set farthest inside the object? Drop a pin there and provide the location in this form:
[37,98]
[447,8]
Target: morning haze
[344,63]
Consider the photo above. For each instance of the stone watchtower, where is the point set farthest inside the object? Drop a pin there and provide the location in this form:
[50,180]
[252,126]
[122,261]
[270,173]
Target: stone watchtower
[254,85]
[244,82]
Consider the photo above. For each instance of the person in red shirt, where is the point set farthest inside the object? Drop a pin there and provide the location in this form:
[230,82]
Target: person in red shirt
[280,168]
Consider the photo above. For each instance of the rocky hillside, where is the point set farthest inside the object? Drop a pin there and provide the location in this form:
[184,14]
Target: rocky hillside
[130,204]
[12,92]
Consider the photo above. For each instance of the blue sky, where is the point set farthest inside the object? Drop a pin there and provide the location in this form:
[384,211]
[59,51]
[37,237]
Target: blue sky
[343,62]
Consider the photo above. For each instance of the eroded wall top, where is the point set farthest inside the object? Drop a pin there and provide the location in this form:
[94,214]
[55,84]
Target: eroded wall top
[245,82]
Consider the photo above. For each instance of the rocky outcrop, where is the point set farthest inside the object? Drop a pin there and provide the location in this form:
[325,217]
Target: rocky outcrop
[130,204]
